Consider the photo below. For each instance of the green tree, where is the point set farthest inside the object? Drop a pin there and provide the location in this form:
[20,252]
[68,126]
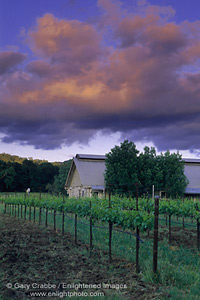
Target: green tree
[174,180]
[31,176]
[122,167]
[147,167]
[7,175]
[60,179]
[46,173]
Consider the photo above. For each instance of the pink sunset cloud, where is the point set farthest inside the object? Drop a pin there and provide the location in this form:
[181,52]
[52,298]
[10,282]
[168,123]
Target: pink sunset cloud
[142,83]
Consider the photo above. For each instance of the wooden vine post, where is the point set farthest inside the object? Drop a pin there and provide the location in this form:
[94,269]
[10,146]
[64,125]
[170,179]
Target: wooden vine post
[183,218]
[46,221]
[91,237]
[198,234]
[25,207]
[155,236]
[34,213]
[63,217]
[110,228]
[75,219]
[170,231]
[198,230]
[54,220]
[148,210]
[137,235]
[30,213]
[25,212]
[40,215]
[75,229]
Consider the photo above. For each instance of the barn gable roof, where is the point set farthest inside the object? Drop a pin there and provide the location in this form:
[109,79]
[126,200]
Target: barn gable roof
[91,169]
[91,156]
[191,160]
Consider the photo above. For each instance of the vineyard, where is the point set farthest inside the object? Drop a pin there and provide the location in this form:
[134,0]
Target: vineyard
[125,213]
[133,218]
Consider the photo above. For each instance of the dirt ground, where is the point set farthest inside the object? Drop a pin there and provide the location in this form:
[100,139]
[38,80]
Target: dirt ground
[35,259]
[180,237]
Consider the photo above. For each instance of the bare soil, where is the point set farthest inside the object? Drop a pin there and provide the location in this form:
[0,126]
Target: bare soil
[180,237]
[36,256]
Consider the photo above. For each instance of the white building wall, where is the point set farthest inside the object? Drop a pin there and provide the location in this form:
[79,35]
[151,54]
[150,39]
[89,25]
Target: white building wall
[192,172]
[85,192]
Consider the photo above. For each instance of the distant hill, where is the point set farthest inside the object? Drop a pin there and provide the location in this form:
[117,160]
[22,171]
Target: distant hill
[14,158]
[19,173]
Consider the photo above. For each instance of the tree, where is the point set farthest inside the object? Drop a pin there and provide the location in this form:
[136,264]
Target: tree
[122,167]
[60,179]
[174,180]
[147,168]
[46,173]
[7,175]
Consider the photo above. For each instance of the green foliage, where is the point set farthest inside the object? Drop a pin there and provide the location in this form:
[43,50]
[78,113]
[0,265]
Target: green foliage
[7,175]
[122,166]
[14,158]
[98,210]
[17,174]
[15,177]
[60,179]
[174,180]
[125,167]
[149,171]
[122,213]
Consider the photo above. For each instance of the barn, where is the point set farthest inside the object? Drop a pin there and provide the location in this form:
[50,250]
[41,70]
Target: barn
[192,172]
[86,176]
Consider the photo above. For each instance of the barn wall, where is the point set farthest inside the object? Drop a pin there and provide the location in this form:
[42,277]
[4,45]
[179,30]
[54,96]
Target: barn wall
[76,181]
[192,172]
[81,191]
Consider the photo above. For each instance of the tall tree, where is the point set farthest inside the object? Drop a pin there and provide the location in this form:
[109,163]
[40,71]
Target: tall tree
[60,179]
[174,180]
[46,173]
[7,175]
[122,167]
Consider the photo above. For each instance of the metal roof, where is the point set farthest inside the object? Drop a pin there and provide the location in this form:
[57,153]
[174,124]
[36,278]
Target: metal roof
[192,191]
[97,187]
[91,156]
[91,169]
[191,160]
[91,172]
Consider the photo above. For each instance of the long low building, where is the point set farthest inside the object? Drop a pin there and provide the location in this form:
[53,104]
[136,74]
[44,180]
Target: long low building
[192,172]
[86,176]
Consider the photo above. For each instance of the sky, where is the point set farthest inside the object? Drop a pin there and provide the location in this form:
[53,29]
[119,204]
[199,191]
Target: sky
[82,76]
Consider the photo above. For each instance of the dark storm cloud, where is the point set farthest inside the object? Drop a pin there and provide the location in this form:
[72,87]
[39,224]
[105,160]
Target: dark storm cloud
[8,60]
[144,84]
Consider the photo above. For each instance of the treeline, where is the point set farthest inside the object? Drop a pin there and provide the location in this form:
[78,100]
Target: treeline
[14,158]
[126,167]
[42,176]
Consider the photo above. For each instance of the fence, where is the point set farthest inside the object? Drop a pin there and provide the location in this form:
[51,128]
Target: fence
[42,216]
